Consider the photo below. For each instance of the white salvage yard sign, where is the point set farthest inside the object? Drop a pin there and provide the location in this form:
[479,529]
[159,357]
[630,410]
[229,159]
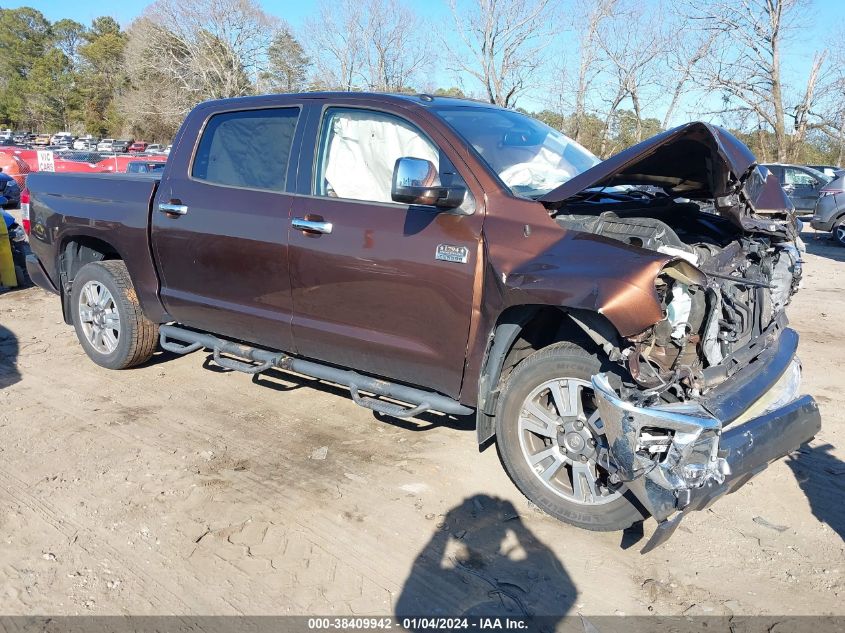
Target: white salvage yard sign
[45,160]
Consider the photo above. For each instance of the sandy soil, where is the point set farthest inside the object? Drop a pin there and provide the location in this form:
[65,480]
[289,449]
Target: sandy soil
[177,488]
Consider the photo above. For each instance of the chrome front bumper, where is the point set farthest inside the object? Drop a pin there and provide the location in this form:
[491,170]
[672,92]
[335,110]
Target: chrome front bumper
[702,458]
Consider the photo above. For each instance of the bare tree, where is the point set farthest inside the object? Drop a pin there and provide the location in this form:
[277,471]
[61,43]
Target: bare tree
[502,44]
[634,46]
[180,53]
[747,64]
[590,15]
[335,43]
[154,105]
[828,111]
[803,110]
[211,48]
[683,59]
[395,47]
[370,44]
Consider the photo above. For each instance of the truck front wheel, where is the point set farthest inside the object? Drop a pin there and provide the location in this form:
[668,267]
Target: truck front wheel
[107,316]
[550,436]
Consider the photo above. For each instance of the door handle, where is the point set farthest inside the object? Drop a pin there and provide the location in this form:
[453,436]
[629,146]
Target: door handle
[173,209]
[311,226]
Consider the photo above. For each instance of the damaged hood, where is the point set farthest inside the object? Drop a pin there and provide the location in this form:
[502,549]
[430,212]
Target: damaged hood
[698,161]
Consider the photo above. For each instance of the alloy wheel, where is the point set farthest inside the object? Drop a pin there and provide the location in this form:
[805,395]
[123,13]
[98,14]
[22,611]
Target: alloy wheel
[561,437]
[99,317]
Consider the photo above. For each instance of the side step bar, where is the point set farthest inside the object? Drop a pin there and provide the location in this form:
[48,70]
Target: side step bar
[181,341]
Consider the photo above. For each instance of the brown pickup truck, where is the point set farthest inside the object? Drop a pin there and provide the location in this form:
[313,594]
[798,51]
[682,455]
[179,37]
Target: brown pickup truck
[617,328]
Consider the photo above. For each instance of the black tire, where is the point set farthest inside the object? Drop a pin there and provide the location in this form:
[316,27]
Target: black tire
[838,232]
[138,336]
[22,277]
[558,361]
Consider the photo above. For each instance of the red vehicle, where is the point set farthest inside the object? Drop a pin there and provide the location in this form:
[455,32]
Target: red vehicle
[617,328]
[137,147]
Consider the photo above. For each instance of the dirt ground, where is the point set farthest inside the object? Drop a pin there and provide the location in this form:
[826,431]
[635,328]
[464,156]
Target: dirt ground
[177,488]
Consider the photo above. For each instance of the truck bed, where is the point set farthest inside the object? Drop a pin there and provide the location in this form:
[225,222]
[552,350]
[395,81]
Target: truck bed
[112,208]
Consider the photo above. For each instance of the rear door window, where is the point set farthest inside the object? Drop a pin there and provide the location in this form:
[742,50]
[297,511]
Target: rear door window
[247,149]
[798,177]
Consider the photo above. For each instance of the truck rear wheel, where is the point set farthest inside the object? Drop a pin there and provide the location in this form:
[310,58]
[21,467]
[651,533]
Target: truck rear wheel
[108,319]
[549,436]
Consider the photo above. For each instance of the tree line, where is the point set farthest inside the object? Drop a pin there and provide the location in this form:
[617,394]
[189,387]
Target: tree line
[608,73]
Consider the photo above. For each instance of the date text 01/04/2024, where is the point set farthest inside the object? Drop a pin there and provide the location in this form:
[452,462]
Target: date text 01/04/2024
[418,624]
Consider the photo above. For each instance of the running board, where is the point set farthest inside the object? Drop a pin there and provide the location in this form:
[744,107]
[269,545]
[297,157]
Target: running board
[181,341]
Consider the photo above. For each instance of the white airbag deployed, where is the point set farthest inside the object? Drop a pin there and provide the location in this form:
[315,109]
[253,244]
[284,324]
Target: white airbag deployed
[362,151]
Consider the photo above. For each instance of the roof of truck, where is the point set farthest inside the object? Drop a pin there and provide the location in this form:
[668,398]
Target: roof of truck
[422,99]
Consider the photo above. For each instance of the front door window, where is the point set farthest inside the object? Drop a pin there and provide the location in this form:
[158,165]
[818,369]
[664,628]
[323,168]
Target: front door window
[359,149]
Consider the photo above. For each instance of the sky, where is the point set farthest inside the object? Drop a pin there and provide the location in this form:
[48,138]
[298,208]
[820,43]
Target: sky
[822,18]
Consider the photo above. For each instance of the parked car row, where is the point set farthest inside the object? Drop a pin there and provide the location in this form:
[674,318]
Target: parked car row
[17,163]
[66,140]
[818,190]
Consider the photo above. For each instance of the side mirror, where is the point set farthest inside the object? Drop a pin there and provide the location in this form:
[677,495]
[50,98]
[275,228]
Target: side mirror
[416,181]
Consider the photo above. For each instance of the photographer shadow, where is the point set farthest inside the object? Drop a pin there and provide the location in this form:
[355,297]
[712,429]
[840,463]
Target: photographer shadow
[9,373]
[821,476]
[483,561]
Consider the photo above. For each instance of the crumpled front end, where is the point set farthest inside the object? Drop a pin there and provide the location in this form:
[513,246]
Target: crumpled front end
[706,390]
[678,457]
[661,449]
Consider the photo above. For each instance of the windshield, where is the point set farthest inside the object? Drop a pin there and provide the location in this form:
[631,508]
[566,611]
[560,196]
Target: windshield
[530,157]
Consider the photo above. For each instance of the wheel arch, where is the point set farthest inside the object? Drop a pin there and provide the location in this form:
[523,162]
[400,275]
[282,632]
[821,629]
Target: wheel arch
[75,252]
[519,332]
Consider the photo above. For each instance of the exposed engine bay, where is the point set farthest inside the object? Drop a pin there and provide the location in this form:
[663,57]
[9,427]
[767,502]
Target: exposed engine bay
[735,289]
[722,298]
[707,388]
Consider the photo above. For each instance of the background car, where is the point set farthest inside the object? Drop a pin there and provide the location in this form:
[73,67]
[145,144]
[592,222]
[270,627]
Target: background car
[829,212]
[86,143]
[10,190]
[62,139]
[122,145]
[827,170]
[144,166]
[137,146]
[42,140]
[801,183]
[153,148]
[106,145]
